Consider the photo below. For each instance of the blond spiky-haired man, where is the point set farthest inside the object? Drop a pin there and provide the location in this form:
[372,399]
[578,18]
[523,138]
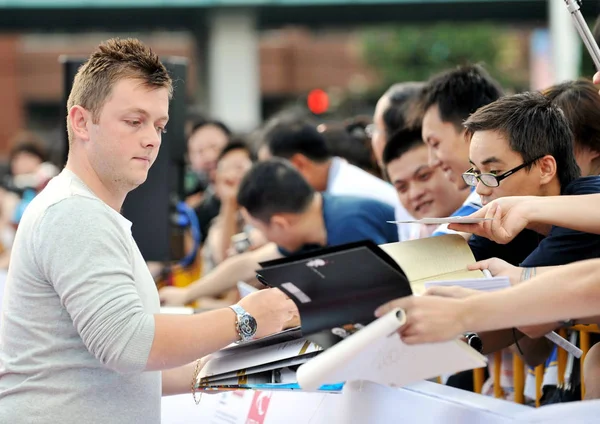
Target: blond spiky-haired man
[81,337]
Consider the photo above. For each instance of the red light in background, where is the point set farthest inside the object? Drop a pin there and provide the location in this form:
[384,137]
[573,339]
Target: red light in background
[318,101]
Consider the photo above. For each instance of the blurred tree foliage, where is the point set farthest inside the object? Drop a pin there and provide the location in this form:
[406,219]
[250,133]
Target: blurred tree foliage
[414,53]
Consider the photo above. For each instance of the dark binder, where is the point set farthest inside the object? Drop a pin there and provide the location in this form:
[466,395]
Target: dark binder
[337,289]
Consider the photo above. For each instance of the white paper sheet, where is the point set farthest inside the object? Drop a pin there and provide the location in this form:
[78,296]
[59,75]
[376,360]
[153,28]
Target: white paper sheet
[376,353]
[440,221]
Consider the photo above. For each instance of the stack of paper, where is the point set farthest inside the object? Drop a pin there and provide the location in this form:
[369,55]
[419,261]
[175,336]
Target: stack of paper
[245,289]
[482,284]
[273,366]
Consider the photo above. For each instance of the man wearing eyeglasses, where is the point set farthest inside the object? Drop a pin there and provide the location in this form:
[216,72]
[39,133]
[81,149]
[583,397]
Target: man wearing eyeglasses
[521,145]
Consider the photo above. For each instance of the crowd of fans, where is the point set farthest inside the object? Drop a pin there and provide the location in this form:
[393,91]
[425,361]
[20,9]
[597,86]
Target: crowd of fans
[454,145]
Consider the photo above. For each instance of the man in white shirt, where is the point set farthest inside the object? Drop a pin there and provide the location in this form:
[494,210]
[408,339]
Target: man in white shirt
[306,148]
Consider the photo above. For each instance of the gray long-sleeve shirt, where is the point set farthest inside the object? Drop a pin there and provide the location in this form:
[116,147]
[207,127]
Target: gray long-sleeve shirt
[77,319]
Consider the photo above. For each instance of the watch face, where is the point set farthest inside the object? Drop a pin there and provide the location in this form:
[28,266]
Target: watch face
[247,325]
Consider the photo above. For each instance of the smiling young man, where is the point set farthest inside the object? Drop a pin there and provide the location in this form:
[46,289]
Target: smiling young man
[445,103]
[423,190]
[81,337]
[522,145]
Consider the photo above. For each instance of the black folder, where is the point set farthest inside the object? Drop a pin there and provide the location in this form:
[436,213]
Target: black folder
[337,287]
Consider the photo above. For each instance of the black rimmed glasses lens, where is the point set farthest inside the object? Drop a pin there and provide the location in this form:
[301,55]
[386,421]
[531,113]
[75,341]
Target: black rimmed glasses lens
[490,180]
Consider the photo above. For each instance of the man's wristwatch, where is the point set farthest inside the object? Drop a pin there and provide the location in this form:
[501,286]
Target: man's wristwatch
[245,323]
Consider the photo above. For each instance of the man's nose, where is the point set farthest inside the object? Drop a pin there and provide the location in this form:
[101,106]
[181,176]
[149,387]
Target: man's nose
[433,159]
[152,138]
[483,190]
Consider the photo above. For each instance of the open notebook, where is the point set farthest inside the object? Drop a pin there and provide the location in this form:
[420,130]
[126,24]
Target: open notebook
[433,259]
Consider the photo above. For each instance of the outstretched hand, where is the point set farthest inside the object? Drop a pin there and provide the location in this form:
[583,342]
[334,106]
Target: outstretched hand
[499,268]
[429,319]
[506,219]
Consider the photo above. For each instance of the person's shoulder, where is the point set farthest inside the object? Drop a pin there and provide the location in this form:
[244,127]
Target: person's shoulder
[84,204]
[350,175]
[583,185]
[77,213]
[356,204]
[79,225]
[355,218]
[359,172]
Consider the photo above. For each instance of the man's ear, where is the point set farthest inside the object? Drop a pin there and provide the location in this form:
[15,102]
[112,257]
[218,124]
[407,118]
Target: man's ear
[300,162]
[594,154]
[78,119]
[547,169]
[280,222]
[245,215]
[465,135]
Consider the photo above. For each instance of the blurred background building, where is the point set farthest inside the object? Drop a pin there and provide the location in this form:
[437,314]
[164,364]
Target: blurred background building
[248,59]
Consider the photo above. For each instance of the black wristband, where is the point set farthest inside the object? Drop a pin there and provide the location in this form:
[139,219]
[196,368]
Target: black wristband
[474,341]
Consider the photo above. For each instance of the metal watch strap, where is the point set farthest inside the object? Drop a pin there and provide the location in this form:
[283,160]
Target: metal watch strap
[246,324]
[238,312]
[238,309]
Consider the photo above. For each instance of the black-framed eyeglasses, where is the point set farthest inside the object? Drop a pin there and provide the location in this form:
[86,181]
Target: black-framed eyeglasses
[490,180]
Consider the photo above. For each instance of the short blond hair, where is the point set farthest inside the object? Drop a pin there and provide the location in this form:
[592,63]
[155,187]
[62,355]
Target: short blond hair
[114,60]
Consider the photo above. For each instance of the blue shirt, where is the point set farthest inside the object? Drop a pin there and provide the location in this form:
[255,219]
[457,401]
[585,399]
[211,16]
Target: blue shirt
[350,219]
[470,205]
[562,246]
